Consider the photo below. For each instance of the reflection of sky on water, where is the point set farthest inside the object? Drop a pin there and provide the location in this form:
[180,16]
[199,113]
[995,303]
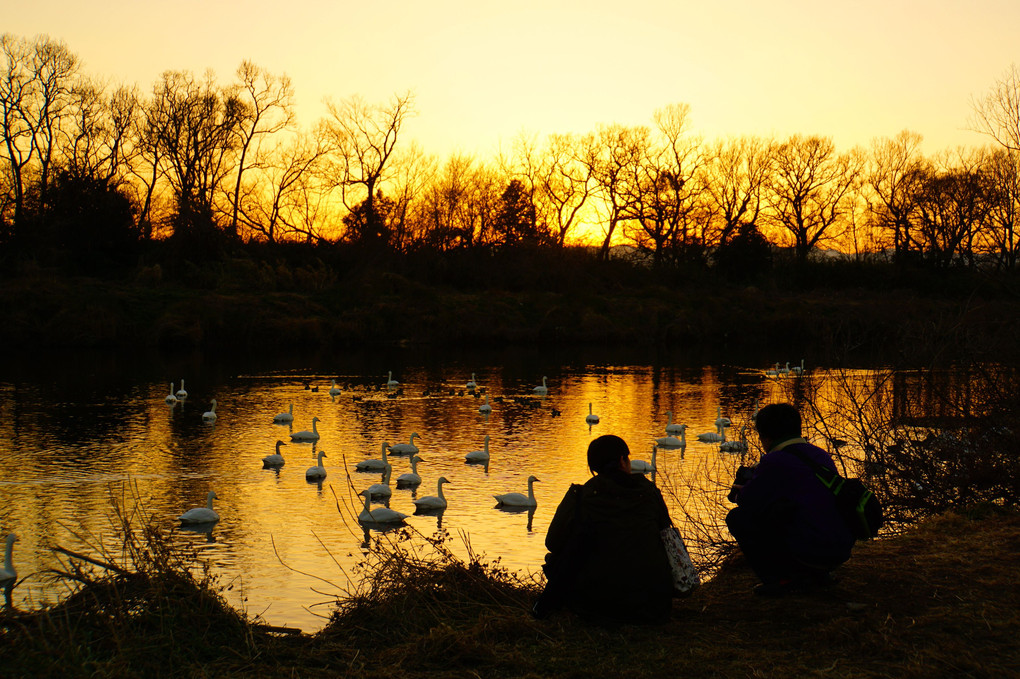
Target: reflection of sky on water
[69,444]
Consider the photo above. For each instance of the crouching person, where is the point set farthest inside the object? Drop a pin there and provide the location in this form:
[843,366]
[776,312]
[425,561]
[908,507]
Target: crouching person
[786,521]
[606,559]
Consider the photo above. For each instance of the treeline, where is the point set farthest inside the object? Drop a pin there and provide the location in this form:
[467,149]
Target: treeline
[92,172]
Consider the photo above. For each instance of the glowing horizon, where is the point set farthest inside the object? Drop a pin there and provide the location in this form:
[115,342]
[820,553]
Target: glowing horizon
[483,75]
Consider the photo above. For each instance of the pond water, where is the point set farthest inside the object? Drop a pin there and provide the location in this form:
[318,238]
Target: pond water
[77,430]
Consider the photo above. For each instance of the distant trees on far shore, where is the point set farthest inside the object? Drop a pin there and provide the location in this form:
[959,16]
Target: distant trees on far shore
[95,171]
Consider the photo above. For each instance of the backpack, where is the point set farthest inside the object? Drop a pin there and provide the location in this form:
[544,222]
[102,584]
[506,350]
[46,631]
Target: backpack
[856,503]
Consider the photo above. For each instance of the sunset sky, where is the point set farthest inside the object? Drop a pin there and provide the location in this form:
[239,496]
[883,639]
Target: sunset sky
[484,72]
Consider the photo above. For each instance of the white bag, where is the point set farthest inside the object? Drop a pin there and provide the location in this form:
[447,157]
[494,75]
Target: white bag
[685,575]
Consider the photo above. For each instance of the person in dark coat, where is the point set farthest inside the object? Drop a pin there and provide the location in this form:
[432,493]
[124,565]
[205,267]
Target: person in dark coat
[786,521]
[606,559]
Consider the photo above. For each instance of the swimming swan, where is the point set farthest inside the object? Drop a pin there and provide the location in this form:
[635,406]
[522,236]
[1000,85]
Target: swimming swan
[471,383]
[591,418]
[713,436]
[334,390]
[437,501]
[201,514]
[7,573]
[374,465]
[181,393]
[405,448]
[485,408]
[410,478]
[519,499]
[479,455]
[720,421]
[274,460]
[739,446]
[542,390]
[284,418]
[306,435]
[390,382]
[317,472]
[672,428]
[642,467]
[170,398]
[381,491]
[379,514]
[210,415]
[672,441]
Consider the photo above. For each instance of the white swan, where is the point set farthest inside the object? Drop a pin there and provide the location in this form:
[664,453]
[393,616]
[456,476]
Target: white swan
[642,467]
[284,418]
[479,455]
[798,369]
[519,499]
[672,428]
[374,465]
[381,491]
[713,436]
[785,370]
[410,478]
[591,418]
[720,421]
[773,372]
[437,501]
[170,398]
[379,514]
[305,435]
[181,393]
[210,415]
[317,472]
[405,448]
[542,390]
[390,382]
[7,573]
[672,441]
[274,460]
[201,514]
[739,446]
[485,408]
[471,383]
[334,390]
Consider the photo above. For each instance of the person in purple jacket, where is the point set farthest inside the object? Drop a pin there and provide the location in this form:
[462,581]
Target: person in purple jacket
[786,522]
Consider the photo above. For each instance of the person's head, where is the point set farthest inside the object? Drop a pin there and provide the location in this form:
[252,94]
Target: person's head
[607,453]
[777,422]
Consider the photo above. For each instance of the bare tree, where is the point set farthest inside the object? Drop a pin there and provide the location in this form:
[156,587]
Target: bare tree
[458,209]
[952,207]
[610,155]
[997,114]
[195,124]
[35,97]
[99,139]
[364,138]
[895,175]
[736,176]
[808,190]
[266,102]
[276,204]
[1003,223]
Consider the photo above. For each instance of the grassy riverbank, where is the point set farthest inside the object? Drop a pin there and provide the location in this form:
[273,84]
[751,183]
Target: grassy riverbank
[939,600]
[244,304]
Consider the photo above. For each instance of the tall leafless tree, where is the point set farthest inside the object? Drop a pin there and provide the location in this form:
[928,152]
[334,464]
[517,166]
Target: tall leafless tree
[266,108]
[363,138]
[808,190]
[997,113]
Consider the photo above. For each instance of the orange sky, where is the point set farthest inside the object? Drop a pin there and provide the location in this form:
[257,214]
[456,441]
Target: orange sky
[483,72]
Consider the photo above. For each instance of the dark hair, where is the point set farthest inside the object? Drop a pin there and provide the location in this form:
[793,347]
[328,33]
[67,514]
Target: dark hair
[605,453]
[778,421]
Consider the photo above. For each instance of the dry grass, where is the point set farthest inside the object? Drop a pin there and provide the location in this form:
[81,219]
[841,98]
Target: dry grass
[939,600]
